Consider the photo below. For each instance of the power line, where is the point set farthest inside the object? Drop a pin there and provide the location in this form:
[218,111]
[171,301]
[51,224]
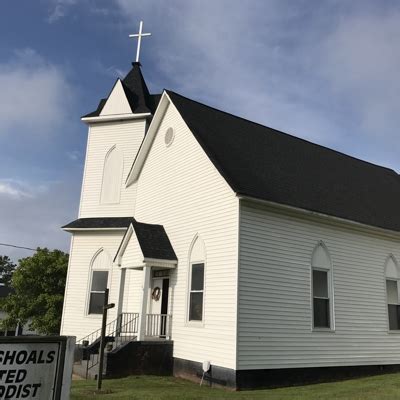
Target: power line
[17,247]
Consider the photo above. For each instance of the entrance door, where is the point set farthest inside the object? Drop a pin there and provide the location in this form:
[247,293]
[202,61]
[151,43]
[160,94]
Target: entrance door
[164,308]
[159,306]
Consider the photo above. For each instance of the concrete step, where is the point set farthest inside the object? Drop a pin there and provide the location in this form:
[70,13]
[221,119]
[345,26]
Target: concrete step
[81,369]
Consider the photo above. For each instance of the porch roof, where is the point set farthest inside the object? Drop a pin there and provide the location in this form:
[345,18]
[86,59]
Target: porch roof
[153,242]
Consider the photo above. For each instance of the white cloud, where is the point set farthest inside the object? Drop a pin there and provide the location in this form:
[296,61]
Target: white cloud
[326,71]
[18,189]
[59,9]
[35,95]
[37,218]
[74,155]
[361,60]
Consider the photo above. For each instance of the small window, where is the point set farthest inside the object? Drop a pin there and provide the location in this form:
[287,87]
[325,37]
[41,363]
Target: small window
[97,291]
[196,292]
[321,299]
[392,293]
[322,288]
[393,304]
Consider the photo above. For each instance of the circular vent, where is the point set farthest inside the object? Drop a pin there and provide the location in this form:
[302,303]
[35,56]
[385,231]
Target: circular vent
[169,137]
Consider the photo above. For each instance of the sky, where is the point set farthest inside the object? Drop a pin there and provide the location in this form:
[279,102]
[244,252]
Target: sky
[326,71]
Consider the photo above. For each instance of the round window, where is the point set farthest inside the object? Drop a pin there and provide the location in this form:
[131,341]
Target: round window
[169,137]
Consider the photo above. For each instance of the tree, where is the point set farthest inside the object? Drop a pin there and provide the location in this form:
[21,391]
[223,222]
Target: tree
[39,284]
[7,268]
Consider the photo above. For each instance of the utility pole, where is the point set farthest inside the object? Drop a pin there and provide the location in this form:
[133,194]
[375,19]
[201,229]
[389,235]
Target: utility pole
[106,307]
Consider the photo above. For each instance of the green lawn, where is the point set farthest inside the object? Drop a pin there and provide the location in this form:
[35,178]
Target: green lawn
[166,388]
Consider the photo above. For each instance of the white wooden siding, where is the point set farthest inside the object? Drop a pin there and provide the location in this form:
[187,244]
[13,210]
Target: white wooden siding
[126,136]
[133,256]
[117,103]
[132,291]
[75,320]
[180,188]
[275,320]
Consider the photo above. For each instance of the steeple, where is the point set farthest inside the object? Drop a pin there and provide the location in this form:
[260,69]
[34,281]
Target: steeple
[137,93]
[134,87]
[139,98]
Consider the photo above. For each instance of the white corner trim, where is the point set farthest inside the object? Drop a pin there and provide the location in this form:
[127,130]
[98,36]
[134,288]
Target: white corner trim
[114,117]
[124,244]
[148,140]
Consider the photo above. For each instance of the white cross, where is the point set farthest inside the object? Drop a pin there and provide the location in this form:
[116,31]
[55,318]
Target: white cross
[139,36]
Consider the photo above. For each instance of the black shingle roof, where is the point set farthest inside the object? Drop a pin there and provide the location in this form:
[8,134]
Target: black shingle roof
[101,222]
[154,241]
[266,164]
[137,93]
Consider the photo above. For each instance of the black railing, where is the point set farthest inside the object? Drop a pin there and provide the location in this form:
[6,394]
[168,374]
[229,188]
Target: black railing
[118,332]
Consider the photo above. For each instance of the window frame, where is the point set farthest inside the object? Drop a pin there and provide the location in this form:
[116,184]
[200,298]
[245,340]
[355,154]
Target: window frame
[190,291]
[93,271]
[93,268]
[393,276]
[329,298]
[120,154]
[197,254]
[330,286]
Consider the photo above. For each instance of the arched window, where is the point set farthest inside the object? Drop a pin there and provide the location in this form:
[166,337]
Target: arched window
[98,281]
[392,292]
[322,288]
[197,259]
[112,176]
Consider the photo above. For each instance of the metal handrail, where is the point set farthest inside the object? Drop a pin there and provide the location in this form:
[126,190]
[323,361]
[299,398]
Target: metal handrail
[110,328]
[123,324]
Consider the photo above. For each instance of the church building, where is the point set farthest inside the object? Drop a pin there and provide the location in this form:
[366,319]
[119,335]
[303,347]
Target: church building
[233,250]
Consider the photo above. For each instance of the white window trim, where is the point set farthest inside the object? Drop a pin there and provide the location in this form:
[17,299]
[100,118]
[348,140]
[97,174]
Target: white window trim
[393,258]
[118,200]
[330,277]
[191,323]
[190,291]
[89,286]
[93,315]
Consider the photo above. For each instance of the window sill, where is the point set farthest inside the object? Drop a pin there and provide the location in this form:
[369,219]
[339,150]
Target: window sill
[194,324]
[394,332]
[324,330]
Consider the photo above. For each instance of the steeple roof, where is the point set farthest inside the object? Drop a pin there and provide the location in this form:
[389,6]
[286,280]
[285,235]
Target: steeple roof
[136,91]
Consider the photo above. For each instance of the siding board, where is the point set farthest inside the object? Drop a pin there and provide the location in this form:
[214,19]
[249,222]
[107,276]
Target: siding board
[275,313]
[180,188]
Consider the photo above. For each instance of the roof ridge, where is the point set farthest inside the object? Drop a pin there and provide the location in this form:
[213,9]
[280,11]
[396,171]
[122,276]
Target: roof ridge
[283,133]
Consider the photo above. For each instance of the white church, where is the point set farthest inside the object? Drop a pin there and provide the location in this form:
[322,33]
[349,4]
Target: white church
[229,246]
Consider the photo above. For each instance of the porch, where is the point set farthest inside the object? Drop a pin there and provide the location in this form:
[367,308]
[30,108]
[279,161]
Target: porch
[121,334]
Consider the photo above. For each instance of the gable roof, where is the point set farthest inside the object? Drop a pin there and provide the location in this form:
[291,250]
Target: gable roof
[99,223]
[153,241]
[139,98]
[263,163]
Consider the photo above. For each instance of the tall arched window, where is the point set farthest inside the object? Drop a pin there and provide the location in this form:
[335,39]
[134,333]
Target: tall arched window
[98,281]
[112,176]
[322,288]
[392,292]
[197,258]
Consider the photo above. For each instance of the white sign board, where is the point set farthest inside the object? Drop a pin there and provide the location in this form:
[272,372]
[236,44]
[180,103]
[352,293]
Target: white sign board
[35,367]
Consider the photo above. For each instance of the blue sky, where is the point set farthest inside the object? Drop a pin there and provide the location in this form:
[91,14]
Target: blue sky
[326,71]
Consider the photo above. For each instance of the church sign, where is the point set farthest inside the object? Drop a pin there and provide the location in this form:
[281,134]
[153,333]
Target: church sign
[36,367]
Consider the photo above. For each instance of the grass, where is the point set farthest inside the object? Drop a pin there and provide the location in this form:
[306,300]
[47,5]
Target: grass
[380,387]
